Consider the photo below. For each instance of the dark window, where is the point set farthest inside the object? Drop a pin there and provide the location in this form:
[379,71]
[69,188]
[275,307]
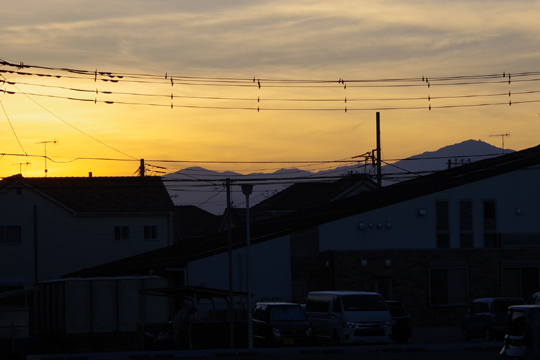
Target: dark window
[443,235]
[465,215]
[520,281]
[448,286]
[490,220]
[442,215]
[10,235]
[336,304]
[364,303]
[121,233]
[491,239]
[317,305]
[150,232]
[466,240]
[18,191]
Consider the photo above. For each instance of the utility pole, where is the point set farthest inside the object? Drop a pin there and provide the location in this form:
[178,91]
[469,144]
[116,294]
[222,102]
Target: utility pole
[502,138]
[230,260]
[45,144]
[141,168]
[379,175]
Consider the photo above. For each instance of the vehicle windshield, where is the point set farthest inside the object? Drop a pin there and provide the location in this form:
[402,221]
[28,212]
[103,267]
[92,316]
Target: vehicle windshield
[287,313]
[517,323]
[364,303]
[502,305]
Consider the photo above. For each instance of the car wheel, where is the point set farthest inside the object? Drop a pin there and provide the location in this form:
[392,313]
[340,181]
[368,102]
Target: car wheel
[488,336]
[465,335]
[335,338]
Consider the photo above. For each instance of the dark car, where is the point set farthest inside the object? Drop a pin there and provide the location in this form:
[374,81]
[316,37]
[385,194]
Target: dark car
[487,318]
[401,321]
[281,324]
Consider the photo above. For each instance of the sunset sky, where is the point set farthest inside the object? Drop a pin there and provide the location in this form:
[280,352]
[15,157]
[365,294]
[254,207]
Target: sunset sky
[218,52]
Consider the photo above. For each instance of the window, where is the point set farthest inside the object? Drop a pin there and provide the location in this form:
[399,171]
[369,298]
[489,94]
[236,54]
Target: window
[150,232]
[466,239]
[10,235]
[443,235]
[121,233]
[491,240]
[448,286]
[521,281]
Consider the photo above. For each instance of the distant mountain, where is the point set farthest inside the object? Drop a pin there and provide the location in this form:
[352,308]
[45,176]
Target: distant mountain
[442,159]
[206,188]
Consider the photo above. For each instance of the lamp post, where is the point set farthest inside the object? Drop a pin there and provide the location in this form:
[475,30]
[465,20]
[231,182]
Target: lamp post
[247,189]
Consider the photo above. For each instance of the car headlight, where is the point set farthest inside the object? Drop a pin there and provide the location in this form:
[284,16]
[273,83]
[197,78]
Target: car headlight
[276,332]
[349,324]
[309,332]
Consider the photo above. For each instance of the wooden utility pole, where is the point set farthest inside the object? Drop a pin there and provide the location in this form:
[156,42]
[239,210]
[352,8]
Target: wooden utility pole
[230,261]
[379,175]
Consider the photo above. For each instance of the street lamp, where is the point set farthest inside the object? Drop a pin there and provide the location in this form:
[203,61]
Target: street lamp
[247,189]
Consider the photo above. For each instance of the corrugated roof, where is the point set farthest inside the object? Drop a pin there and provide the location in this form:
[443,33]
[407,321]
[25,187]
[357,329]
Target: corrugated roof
[100,194]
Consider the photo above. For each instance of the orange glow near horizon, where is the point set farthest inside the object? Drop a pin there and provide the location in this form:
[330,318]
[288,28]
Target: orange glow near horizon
[216,125]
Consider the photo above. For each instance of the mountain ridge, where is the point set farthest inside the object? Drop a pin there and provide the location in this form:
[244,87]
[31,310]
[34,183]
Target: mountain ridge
[206,188]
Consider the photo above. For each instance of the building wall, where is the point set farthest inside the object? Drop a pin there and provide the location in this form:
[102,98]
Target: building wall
[406,277]
[401,226]
[270,271]
[67,243]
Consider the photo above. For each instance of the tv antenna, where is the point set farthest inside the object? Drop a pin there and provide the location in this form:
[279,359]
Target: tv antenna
[45,144]
[502,138]
[20,166]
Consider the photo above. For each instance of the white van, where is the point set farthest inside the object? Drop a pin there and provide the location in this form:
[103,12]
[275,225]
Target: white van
[349,317]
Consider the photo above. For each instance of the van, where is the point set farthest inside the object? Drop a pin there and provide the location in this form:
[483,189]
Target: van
[522,340]
[487,318]
[349,317]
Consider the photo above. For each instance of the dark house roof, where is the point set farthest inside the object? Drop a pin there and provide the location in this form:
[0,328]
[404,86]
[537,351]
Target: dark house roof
[305,195]
[99,194]
[191,221]
[177,256]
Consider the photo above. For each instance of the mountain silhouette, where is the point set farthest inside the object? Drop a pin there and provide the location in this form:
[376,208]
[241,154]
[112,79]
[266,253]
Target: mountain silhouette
[206,188]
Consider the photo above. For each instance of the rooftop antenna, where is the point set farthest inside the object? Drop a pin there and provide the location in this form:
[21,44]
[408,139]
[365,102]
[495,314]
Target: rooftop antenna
[20,166]
[45,144]
[502,138]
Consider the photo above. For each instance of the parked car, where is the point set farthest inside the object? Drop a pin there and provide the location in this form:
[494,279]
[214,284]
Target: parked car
[281,324]
[487,318]
[349,317]
[401,321]
[534,299]
[522,340]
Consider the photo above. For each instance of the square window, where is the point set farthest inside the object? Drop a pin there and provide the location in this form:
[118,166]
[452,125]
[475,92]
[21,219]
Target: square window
[10,234]
[150,232]
[121,232]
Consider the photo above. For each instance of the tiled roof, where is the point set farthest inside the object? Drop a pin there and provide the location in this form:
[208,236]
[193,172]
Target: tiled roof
[100,194]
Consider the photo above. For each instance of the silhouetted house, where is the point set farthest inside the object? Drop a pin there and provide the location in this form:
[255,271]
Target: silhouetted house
[435,242]
[52,226]
[303,195]
[192,222]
